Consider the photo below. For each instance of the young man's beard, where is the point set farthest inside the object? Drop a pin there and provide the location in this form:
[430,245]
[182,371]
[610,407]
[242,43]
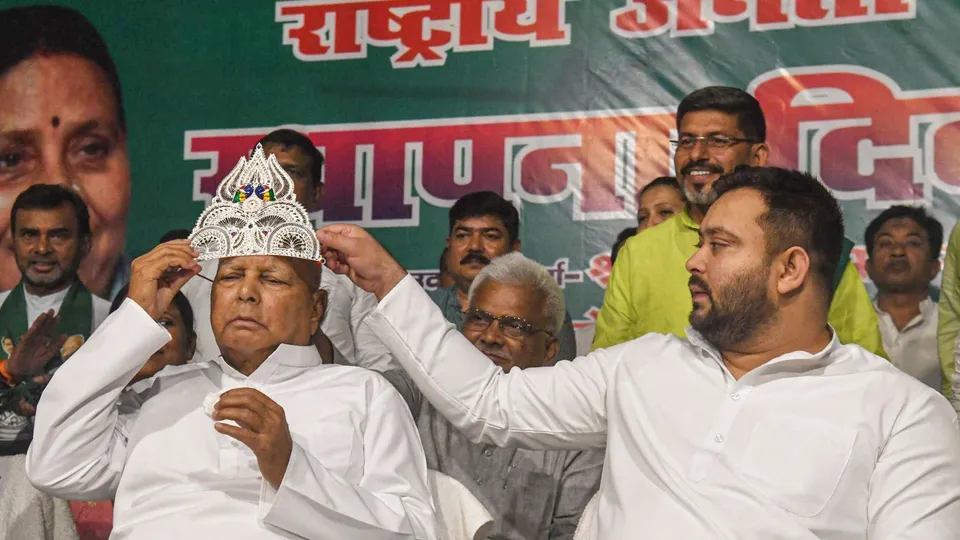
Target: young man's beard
[743,311]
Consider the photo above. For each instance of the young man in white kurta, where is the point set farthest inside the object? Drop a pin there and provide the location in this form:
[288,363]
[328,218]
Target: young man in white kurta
[355,470]
[694,453]
[787,434]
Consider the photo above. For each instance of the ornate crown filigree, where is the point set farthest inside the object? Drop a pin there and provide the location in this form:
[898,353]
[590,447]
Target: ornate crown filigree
[255,212]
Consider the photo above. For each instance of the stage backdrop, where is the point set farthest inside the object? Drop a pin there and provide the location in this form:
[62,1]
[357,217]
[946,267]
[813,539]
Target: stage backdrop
[563,106]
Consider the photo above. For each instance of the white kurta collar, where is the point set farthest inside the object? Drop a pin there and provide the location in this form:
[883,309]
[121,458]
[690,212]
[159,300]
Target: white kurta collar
[928,309]
[793,363]
[302,356]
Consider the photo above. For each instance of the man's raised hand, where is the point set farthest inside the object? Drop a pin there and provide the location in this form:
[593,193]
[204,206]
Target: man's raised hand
[352,251]
[155,278]
[36,347]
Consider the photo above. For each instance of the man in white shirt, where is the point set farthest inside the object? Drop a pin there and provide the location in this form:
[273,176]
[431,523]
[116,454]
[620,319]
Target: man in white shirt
[347,305]
[903,246]
[50,313]
[759,425]
[261,442]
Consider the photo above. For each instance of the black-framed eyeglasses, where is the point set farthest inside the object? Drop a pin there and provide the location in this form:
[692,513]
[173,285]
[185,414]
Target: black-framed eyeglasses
[514,327]
[713,142]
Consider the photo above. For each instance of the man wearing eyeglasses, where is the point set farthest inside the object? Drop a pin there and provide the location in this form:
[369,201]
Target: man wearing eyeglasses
[483,226]
[718,129]
[514,312]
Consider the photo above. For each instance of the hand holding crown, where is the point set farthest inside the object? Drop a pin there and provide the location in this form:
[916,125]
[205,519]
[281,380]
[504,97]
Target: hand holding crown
[155,278]
[352,251]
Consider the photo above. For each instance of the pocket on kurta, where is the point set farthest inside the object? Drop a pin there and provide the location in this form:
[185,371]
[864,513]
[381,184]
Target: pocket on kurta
[797,461]
[526,493]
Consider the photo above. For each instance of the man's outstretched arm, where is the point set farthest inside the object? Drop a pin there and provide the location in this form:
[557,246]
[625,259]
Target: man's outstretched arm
[562,406]
[79,443]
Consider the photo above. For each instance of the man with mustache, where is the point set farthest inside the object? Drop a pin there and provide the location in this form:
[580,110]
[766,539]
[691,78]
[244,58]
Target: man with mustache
[719,128]
[50,227]
[759,424]
[484,226]
[43,321]
[903,249]
[515,309]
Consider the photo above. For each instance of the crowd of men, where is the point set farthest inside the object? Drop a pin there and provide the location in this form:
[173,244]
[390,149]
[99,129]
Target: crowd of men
[741,383]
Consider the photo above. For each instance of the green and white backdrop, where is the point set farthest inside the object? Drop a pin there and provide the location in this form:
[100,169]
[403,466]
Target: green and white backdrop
[563,106]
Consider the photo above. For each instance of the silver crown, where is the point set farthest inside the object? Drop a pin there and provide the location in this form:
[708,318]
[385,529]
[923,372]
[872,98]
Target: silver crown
[255,212]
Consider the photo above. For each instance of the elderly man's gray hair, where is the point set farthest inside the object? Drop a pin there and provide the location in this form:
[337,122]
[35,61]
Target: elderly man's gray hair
[516,270]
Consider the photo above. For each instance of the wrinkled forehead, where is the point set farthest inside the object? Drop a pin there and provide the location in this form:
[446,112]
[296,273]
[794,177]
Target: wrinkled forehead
[507,300]
[288,267]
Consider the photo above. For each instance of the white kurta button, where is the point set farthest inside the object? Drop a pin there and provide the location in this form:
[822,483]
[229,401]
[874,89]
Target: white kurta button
[488,452]
[718,439]
[735,397]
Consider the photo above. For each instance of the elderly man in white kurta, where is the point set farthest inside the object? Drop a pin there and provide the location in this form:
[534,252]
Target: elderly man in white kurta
[353,343]
[759,426]
[261,442]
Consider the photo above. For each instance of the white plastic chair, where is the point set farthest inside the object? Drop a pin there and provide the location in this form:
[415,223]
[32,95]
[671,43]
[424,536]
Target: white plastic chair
[28,513]
[587,526]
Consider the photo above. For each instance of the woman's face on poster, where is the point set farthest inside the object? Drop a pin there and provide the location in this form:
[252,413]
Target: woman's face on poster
[59,125]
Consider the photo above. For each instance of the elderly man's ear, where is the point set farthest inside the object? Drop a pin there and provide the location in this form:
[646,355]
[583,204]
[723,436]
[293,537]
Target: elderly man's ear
[320,341]
[552,349]
[319,310]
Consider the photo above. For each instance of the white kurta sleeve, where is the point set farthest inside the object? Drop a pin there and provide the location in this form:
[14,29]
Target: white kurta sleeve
[79,437]
[370,351]
[913,491]
[392,499]
[557,407]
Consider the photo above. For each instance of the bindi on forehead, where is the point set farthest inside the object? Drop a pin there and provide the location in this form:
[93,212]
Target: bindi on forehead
[55,121]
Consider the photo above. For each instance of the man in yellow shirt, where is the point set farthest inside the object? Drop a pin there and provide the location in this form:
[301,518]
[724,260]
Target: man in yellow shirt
[948,325]
[719,128]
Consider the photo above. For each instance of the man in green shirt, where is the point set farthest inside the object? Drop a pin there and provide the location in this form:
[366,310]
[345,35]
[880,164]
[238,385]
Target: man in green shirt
[484,226]
[719,128]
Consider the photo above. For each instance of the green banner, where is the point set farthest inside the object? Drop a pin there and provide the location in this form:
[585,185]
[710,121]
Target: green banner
[563,106]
